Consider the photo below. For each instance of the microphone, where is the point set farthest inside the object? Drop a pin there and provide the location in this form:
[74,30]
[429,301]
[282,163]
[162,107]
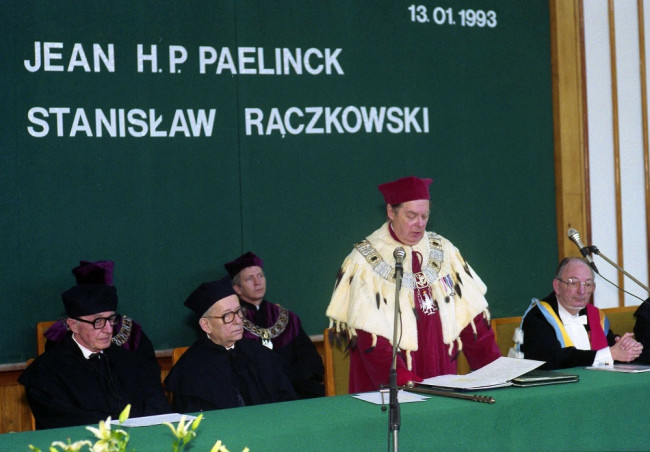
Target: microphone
[574,235]
[399,254]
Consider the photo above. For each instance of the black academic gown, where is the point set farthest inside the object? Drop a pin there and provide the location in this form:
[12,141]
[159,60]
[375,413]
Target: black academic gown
[642,330]
[209,377]
[540,342]
[302,363]
[65,389]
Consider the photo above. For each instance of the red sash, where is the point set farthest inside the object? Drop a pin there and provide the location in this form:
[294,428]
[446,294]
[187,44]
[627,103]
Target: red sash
[597,335]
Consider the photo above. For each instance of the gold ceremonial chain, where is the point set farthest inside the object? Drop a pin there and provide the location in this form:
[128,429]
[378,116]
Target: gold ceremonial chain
[272,332]
[420,280]
[120,338]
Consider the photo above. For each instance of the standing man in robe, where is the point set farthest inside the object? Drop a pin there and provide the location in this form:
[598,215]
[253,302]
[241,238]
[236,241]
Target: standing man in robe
[276,327]
[442,303]
[565,330]
[222,369]
[85,377]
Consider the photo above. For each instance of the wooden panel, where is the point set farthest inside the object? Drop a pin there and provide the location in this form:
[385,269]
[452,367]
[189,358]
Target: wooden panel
[337,365]
[177,353]
[504,330]
[621,319]
[570,134]
[15,415]
[463,365]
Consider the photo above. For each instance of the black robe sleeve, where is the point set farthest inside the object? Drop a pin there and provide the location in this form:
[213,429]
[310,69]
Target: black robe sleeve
[304,366]
[642,330]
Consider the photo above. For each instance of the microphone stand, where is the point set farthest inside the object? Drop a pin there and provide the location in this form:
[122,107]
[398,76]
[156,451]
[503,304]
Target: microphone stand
[595,250]
[394,420]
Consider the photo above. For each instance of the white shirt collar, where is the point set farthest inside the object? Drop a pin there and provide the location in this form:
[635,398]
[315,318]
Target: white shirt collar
[574,326]
[567,317]
[84,350]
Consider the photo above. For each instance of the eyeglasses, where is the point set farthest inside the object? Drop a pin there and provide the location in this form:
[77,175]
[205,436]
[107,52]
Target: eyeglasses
[228,317]
[100,322]
[574,284]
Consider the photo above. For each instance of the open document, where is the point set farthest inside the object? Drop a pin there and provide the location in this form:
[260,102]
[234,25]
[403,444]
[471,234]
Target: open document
[497,374]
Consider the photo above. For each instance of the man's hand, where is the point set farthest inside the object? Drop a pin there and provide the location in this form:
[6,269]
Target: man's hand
[626,348]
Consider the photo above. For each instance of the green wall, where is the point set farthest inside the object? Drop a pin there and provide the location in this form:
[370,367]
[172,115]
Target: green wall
[170,202]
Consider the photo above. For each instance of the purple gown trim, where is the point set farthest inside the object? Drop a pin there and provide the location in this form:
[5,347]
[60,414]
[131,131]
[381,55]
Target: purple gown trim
[272,314]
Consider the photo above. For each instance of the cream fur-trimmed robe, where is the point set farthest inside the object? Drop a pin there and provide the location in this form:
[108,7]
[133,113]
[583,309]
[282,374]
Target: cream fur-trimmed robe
[364,293]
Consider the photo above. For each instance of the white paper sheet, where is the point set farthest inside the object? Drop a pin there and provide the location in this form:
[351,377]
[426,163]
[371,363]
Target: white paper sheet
[146,421]
[495,375]
[402,397]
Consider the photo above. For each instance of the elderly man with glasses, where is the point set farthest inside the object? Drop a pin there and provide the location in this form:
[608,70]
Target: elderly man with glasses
[127,333]
[276,327]
[565,330]
[85,377]
[222,369]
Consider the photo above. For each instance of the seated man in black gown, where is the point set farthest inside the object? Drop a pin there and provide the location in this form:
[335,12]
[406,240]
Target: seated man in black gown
[85,378]
[127,333]
[565,330]
[276,327]
[222,369]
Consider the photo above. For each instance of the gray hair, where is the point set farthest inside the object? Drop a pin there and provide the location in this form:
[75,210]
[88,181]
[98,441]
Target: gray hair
[567,260]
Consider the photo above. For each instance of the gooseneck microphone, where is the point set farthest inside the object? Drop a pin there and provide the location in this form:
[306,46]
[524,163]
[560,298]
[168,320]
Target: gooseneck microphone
[586,252]
[574,235]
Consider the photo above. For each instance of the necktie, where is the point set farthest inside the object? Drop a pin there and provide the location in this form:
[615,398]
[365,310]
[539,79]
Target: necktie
[100,362]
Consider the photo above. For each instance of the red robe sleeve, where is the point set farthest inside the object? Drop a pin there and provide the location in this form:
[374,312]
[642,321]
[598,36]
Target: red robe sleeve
[481,349]
[371,369]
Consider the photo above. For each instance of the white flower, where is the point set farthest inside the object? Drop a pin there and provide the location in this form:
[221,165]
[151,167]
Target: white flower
[218,447]
[109,441]
[101,446]
[70,447]
[180,431]
[183,433]
[104,430]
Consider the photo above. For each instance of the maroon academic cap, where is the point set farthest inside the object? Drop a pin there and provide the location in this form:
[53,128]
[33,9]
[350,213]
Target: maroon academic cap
[100,272]
[245,260]
[406,189]
[89,299]
[208,294]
